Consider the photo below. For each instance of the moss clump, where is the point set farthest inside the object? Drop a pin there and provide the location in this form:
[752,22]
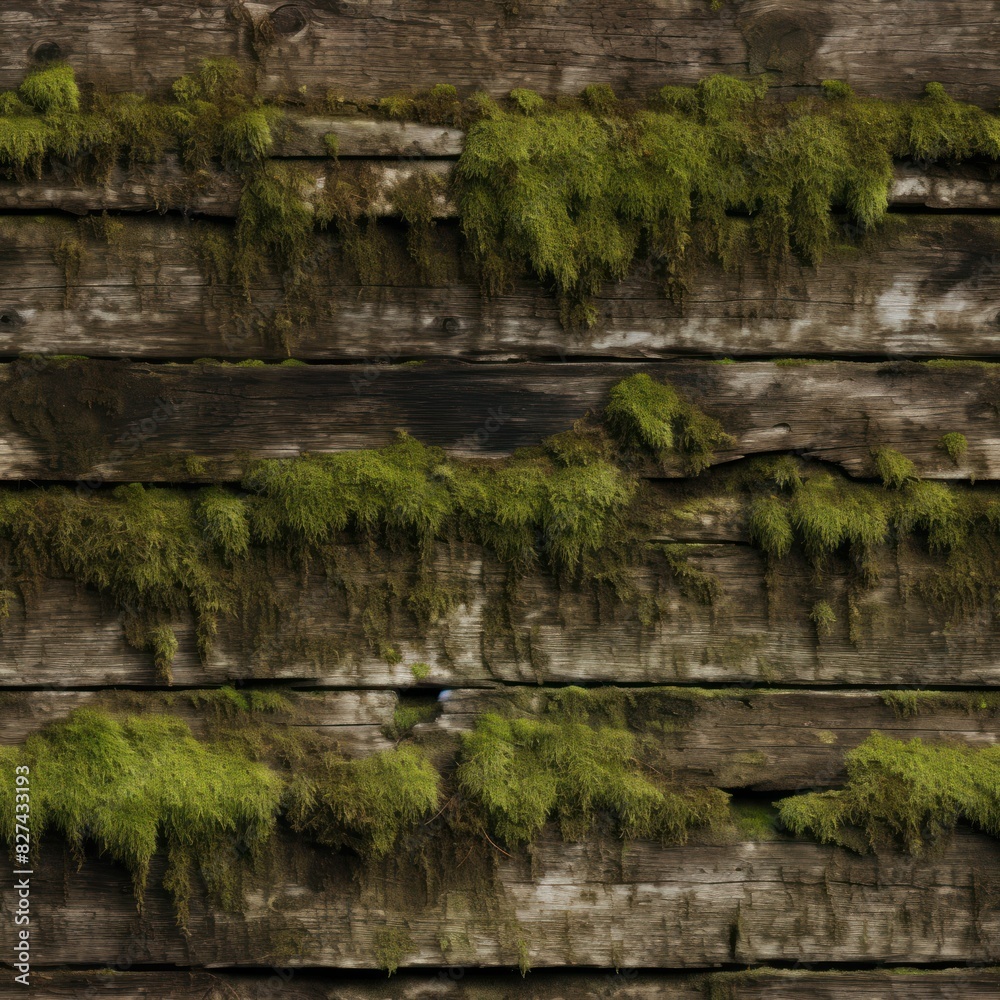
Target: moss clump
[128,783]
[651,416]
[438,106]
[905,793]
[954,445]
[163,642]
[365,803]
[909,704]
[823,617]
[51,88]
[125,783]
[893,468]
[579,192]
[523,772]
[391,946]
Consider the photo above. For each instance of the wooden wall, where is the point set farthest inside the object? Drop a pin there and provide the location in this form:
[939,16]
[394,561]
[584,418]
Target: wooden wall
[776,918]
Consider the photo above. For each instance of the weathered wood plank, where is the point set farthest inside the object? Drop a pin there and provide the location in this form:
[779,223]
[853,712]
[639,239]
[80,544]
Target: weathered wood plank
[838,412]
[305,135]
[353,720]
[168,187]
[932,288]
[567,903]
[457,983]
[371,48]
[755,633]
[761,740]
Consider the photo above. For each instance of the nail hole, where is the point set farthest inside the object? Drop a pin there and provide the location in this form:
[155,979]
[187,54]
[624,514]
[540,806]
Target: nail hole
[46,51]
[288,20]
[451,325]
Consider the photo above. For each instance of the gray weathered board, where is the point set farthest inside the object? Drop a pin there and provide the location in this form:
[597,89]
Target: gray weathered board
[596,903]
[757,633]
[367,48]
[119,421]
[929,288]
[459,983]
[761,740]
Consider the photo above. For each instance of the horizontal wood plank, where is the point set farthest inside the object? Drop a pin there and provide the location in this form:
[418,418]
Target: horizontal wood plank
[756,633]
[168,187]
[457,983]
[839,412]
[367,48]
[761,740]
[592,902]
[931,287]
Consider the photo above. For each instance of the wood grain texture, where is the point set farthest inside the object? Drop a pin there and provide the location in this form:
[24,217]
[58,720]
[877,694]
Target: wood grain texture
[369,48]
[168,187]
[932,288]
[595,902]
[755,634]
[838,412]
[760,740]
[352,720]
[458,983]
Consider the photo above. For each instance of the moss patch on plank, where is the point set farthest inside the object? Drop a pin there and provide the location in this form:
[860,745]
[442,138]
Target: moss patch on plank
[125,783]
[907,794]
[580,191]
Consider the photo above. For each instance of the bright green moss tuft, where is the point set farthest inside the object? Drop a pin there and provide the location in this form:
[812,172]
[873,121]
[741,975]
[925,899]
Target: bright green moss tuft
[364,803]
[905,793]
[954,445]
[523,772]
[224,521]
[163,642]
[823,617]
[650,416]
[893,468]
[125,783]
[579,192]
[51,89]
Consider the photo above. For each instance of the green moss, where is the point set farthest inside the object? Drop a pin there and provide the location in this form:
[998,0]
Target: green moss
[909,704]
[51,88]
[420,671]
[438,106]
[893,468]
[579,192]
[823,618]
[391,946]
[364,804]
[651,416]
[126,783]
[163,642]
[409,713]
[523,772]
[902,793]
[954,445]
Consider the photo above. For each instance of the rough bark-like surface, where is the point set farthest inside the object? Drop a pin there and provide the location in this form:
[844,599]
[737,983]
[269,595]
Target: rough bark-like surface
[593,903]
[736,739]
[103,421]
[931,287]
[370,48]
[457,983]
[754,634]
